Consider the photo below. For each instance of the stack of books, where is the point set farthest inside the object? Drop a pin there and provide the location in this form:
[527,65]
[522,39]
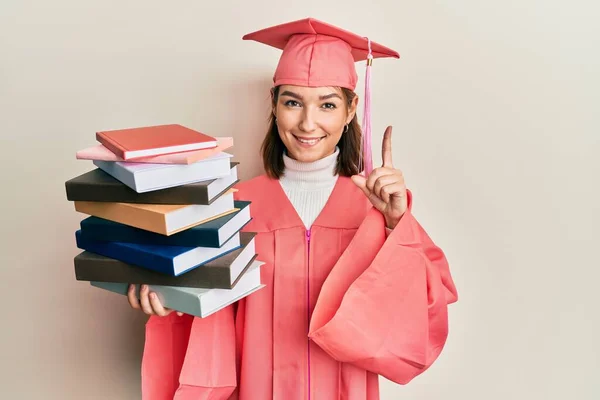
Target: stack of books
[161,212]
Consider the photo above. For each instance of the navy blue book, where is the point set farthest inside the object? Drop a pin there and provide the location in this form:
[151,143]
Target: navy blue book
[169,260]
[222,273]
[210,234]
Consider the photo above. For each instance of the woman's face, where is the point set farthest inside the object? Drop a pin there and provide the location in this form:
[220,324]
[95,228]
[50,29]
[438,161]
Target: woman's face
[311,120]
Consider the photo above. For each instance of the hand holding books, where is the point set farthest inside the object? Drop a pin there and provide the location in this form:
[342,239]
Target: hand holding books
[148,302]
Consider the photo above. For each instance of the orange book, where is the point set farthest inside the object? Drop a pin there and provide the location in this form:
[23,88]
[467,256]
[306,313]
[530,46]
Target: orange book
[165,219]
[154,140]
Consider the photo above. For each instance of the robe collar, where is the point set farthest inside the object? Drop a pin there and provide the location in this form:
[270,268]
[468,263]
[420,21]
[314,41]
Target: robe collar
[345,208]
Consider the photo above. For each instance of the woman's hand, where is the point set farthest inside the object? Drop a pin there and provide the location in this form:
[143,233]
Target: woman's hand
[385,187]
[148,302]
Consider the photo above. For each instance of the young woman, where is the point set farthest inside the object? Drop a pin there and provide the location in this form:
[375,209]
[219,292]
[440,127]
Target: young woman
[355,288]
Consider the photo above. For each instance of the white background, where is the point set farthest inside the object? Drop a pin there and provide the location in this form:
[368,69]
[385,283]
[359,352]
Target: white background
[495,114]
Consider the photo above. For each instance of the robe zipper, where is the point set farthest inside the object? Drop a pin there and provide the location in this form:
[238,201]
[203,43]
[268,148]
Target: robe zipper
[308,301]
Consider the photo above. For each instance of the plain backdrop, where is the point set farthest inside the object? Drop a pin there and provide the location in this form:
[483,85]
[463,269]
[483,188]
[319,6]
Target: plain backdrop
[495,113]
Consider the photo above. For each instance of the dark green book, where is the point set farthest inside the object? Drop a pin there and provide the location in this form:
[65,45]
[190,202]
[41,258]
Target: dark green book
[97,185]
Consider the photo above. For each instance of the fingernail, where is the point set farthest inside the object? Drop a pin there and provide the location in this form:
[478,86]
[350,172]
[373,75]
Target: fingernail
[144,287]
[153,296]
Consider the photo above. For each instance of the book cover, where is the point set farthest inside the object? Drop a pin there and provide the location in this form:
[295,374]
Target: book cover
[145,177]
[97,185]
[196,301]
[169,260]
[99,152]
[156,140]
[210,234]
[165,219]
[223,272]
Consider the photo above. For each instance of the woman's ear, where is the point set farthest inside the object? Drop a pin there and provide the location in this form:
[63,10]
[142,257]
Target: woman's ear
[352,109]
[274,109]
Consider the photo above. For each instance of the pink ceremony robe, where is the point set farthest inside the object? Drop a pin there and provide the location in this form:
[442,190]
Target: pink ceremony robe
[343,303]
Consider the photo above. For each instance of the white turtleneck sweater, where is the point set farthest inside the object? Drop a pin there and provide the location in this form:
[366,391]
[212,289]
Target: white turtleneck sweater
[308,185]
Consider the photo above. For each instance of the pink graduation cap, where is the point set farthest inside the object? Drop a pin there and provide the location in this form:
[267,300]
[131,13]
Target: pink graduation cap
[319,54]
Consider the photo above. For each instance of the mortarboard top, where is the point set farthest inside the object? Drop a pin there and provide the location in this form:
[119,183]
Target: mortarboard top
[317,54]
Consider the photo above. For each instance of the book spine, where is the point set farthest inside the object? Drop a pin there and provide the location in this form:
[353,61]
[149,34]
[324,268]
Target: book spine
[82,191]
[119,212]
[109,144]
[103,269]
[124,233]
[178,195]
[126,254]
[121,193]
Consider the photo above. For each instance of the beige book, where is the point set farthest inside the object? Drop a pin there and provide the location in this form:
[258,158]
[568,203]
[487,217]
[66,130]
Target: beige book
[165,219]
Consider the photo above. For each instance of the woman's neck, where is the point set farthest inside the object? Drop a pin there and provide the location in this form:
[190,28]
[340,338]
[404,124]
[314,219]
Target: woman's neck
[308,185]
[313,174]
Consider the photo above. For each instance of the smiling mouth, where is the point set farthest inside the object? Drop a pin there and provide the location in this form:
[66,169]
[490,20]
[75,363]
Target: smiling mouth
[310,142]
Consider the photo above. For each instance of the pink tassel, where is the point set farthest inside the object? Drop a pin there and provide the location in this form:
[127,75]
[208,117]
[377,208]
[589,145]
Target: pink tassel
[367,159]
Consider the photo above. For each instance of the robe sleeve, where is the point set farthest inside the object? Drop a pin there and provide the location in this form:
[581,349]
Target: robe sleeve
[383,307]
[189,358]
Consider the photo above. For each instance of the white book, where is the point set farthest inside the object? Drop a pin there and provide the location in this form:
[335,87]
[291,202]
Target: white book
[195,301]
[146,177]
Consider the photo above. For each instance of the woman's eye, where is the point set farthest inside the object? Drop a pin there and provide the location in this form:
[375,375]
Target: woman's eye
[329,106]
[292,103]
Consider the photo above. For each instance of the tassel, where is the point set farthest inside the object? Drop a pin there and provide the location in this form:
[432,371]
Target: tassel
[367,155]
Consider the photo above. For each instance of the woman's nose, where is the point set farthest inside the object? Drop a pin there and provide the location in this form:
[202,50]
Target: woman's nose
[308,122]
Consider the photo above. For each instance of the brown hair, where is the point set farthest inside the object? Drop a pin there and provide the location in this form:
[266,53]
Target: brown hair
[349,159]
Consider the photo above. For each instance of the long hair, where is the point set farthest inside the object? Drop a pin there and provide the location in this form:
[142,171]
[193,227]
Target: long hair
[349,159]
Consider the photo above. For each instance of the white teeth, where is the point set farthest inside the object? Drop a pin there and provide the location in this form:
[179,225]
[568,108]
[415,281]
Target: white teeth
[312,141]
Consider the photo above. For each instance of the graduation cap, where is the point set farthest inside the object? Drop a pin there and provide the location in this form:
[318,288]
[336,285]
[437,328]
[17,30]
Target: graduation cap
[319,54]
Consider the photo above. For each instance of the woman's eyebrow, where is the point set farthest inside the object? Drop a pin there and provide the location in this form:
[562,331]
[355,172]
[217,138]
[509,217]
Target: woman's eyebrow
[298,97]
[329,96]
[292,94]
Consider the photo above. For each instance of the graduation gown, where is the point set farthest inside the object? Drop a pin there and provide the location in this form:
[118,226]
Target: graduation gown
[344,302]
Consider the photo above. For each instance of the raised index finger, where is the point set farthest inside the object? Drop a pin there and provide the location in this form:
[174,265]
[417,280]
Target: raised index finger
[386,148]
